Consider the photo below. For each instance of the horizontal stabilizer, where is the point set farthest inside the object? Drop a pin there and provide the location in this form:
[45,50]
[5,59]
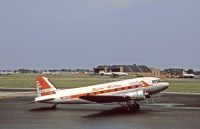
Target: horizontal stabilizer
[42,100]
[106,99]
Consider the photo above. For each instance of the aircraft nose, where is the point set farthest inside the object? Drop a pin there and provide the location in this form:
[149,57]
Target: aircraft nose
[164,85]
[157,88]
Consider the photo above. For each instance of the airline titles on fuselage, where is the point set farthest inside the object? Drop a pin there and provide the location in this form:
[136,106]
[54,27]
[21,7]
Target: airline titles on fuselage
[102,88]
[105,87]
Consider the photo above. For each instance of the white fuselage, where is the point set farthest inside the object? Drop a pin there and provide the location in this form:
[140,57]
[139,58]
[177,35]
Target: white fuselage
[126,87]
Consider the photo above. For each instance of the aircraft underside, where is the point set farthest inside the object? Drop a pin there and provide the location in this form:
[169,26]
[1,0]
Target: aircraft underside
[130,106]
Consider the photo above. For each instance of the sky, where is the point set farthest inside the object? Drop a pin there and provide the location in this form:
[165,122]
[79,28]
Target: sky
[55,34]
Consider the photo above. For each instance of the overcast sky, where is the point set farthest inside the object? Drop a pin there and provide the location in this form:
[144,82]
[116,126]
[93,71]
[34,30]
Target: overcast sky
[48,34]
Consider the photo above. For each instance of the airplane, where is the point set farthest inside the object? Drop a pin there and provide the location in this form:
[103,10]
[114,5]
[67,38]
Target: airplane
[5,73]
[186,75]
[46,72]
[126,92]
[119,74]
[113,74]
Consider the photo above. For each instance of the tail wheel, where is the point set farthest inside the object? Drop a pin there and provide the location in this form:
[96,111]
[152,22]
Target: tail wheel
[54,106]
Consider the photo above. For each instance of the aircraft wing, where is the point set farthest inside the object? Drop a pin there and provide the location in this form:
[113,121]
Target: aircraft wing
[106,99]
[136,95]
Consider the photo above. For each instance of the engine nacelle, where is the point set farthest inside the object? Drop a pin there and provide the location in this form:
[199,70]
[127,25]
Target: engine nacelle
[138,95]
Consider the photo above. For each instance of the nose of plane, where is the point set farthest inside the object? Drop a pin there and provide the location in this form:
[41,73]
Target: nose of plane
[157,88]
[164,85]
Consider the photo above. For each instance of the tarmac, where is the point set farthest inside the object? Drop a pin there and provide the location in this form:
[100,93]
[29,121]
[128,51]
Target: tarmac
[169,111]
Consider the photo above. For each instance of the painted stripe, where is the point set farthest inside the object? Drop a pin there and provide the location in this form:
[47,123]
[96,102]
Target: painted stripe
[41,83]
[145,84]
[48,93]
[103,91]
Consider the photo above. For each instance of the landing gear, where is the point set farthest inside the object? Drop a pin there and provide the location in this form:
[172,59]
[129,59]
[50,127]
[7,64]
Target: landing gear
[136,107]
[131,107]
[54,106]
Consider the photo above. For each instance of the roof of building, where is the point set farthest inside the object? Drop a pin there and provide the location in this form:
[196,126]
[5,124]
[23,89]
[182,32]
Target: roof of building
[126,68]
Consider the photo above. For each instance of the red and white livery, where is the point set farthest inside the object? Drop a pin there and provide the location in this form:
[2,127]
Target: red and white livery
[126,92]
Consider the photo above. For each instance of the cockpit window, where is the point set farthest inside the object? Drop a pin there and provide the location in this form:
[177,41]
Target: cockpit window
[155,81]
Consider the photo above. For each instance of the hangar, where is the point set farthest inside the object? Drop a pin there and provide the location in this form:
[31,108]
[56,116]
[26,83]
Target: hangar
[137,70]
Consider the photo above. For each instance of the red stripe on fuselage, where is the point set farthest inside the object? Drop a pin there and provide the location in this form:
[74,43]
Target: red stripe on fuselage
[103,91]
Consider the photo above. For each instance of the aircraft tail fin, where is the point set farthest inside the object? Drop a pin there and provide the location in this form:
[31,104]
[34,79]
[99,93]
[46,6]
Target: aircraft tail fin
[44,87]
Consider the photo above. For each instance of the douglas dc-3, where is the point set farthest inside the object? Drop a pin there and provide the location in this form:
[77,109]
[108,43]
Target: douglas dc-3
[126,93]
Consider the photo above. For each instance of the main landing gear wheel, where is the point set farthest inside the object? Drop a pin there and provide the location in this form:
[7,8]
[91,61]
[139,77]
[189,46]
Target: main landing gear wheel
[132,107]
[136,107]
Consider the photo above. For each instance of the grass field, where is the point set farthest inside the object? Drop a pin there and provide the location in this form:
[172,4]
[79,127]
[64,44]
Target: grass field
[70,81]
[184,85]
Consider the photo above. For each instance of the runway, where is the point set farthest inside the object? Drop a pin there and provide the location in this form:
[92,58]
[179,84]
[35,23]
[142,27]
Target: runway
[174,111]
